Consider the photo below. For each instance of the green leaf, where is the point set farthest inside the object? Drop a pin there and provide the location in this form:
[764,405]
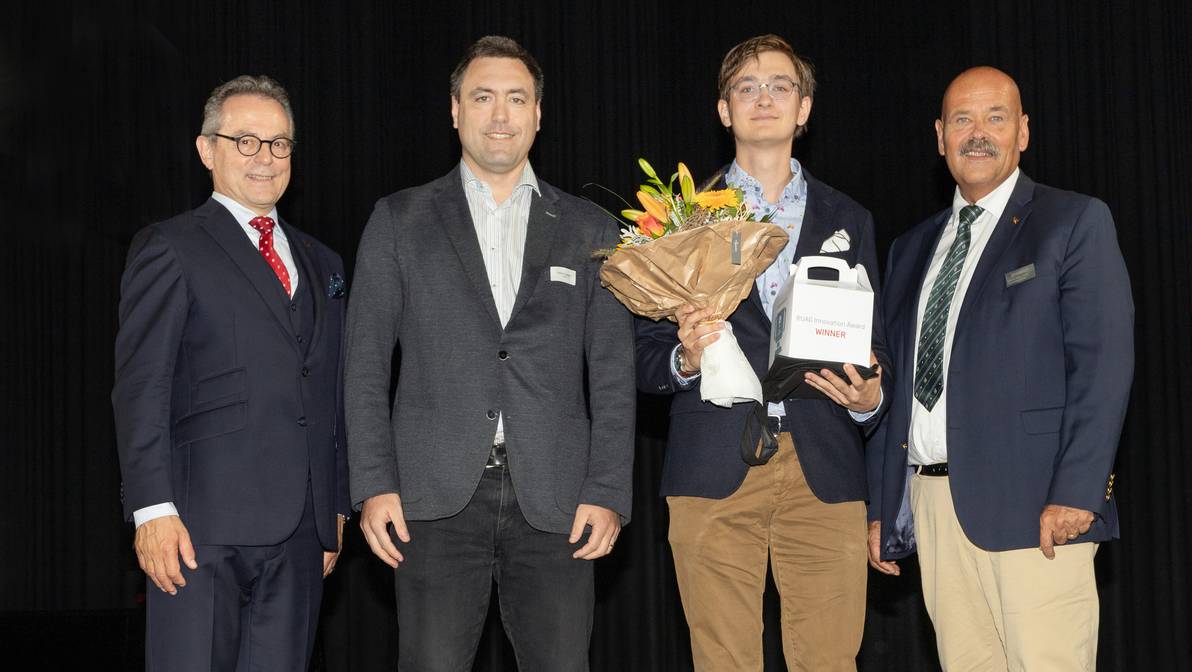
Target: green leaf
[652,191]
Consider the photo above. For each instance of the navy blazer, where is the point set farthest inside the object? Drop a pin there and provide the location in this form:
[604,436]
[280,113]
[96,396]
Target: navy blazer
[219,407]
[1038,378]
[703,455]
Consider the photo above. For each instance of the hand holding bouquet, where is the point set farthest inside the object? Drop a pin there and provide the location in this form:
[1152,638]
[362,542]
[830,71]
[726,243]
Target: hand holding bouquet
[699,248]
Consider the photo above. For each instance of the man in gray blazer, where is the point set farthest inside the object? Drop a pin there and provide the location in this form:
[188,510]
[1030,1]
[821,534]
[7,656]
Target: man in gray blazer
[507,453]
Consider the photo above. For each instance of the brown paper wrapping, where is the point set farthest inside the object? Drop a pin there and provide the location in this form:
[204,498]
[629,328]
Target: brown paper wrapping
[693,266]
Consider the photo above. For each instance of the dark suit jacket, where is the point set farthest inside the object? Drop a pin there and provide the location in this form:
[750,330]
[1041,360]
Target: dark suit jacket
[1038,378]
[561,371]
[703,457]
[218,407]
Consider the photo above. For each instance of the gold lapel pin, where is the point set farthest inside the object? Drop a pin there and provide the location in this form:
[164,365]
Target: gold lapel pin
[1014,219]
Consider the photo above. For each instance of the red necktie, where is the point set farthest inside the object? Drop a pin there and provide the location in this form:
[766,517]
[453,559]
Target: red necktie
[265,226]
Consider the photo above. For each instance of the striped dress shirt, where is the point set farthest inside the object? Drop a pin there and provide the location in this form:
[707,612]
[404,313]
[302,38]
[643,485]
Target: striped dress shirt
[501,232]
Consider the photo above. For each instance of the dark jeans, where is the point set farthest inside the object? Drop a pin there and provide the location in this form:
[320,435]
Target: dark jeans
[443,587]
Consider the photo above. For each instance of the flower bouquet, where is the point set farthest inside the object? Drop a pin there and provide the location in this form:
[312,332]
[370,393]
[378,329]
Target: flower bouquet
[702,248]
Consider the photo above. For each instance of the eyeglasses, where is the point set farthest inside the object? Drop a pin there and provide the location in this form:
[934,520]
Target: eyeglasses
[250,145]
[748,89]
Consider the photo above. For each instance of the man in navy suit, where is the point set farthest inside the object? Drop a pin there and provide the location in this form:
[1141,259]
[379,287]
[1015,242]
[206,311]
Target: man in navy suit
[228,405]
[1010,324]
[803,510]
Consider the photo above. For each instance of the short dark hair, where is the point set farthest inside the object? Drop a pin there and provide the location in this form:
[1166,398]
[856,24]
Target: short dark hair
[496,46]
[244,85]
[738,56]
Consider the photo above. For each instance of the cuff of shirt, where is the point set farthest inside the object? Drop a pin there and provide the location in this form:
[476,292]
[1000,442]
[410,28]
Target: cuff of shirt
[683,382]
[142,516]
[864,417]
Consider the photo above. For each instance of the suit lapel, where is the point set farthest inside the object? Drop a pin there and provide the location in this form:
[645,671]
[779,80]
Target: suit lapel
[541,228]
[303,253]
[1013,218]
[457,222]
[817,220]
[221,226]
[918,260]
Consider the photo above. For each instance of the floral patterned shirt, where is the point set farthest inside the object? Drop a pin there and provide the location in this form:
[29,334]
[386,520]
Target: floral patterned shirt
[788,213]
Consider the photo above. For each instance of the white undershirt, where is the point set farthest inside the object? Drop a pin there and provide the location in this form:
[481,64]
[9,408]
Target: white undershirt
[929,429]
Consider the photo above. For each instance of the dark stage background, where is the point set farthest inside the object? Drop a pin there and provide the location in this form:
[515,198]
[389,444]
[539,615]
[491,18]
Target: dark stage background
[100,103]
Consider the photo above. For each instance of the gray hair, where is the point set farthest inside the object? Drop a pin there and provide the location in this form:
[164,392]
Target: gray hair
[260,85]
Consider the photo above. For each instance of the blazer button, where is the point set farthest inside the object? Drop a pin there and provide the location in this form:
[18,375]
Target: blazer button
[502,355]
[492,415]
[302,421]
[293,307]
[904,446]
[305,372]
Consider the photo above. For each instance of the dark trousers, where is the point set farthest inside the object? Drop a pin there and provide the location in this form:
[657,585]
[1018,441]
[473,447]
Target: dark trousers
[246,608]
[443,587]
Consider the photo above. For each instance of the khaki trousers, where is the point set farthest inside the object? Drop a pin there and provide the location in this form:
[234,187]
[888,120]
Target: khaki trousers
[818,556]
[1006,610]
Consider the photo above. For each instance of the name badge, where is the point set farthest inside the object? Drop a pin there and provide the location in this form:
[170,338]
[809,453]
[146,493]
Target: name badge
[1020,275]
[562,274]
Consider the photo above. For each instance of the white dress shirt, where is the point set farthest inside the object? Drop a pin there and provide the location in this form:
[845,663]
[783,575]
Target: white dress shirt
[282,247]
[501,232]
[929,429]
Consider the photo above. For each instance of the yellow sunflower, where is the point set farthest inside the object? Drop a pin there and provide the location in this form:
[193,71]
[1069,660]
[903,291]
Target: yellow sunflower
[722,198]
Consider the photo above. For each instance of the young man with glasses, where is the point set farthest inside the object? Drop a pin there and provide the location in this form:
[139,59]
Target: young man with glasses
[228,405]
[803,511]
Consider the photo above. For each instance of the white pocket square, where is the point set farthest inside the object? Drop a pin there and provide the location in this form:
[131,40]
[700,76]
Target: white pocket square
[837,242]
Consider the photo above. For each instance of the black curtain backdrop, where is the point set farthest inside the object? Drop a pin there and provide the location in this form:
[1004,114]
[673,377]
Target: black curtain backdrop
[100,103]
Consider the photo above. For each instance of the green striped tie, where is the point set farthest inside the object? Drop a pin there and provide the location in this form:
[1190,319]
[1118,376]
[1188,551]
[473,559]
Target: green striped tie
[929,365]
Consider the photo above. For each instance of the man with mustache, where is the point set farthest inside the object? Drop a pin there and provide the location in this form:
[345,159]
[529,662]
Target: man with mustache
[507,454]
[1010,325]
[802,512]
[228,405]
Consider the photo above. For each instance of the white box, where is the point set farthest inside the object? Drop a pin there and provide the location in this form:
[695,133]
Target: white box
[823,320]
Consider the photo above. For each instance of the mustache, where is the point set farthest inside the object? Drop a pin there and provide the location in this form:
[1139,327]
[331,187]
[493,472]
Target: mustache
[979,145]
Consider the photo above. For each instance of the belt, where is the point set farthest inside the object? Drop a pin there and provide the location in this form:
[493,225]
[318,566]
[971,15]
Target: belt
[940,469]
[774,424]
[759,437]
[497,457]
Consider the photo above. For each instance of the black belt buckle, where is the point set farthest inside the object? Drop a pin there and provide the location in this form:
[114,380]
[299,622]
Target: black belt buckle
[497,457]
[759,437]
[774,424]
[939,469]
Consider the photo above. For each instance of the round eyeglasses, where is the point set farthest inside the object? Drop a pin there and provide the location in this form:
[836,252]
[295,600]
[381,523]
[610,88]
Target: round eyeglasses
[250,145]
[749,89]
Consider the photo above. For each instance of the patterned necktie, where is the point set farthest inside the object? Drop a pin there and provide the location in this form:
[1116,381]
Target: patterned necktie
[265,226]
[929,364]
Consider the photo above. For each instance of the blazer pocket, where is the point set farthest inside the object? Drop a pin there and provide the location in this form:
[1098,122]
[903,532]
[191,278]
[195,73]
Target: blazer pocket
[1042,420]
[213,422]
[220,386]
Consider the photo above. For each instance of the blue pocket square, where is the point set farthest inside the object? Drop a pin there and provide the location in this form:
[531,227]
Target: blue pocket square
[336,286]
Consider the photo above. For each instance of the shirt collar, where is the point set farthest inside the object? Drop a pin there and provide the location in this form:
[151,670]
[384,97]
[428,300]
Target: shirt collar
[995,201]
[527,179]
[795,190]
[243,215]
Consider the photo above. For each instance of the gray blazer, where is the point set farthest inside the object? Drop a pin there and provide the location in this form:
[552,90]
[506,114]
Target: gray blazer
[420,283]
